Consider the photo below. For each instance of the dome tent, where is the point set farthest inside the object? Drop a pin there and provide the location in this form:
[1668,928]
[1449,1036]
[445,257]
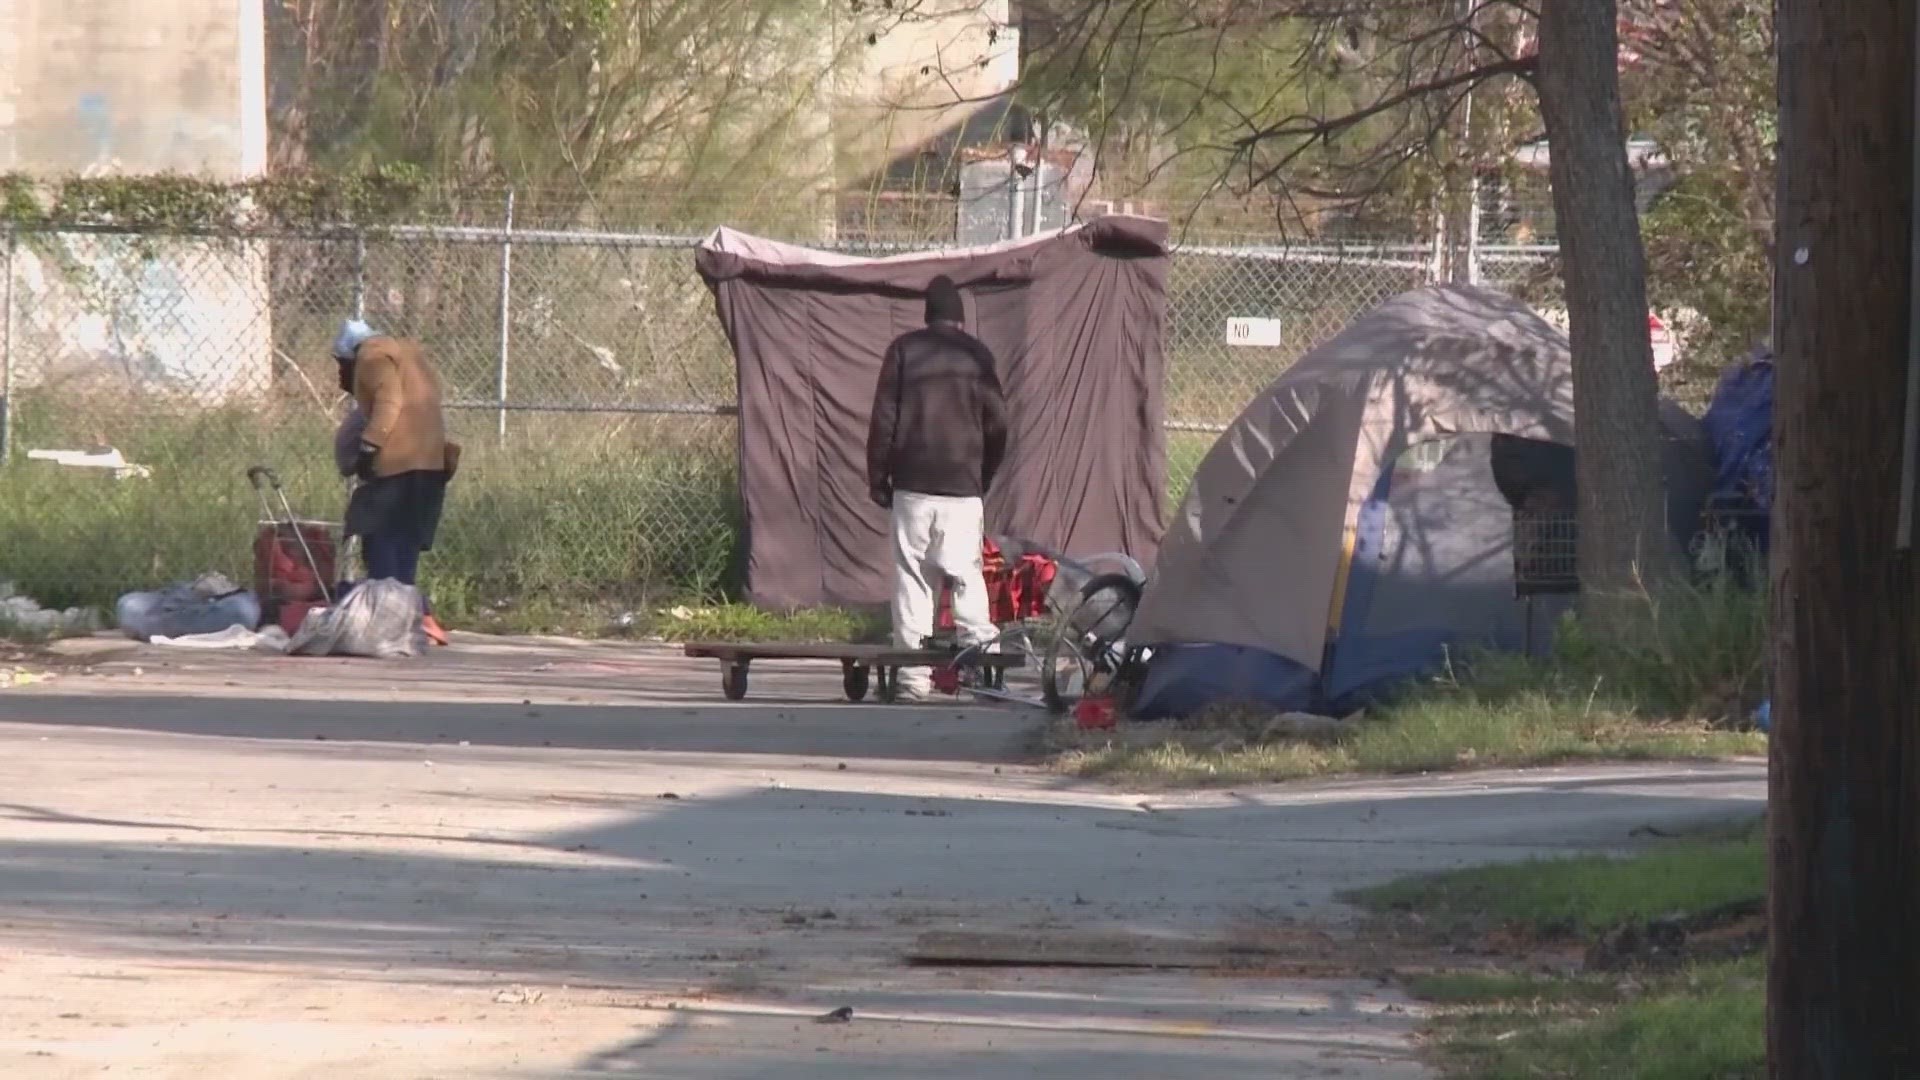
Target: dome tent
[1355,523]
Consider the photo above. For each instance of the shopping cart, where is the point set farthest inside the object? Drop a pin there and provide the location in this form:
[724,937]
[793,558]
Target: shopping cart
[294,558]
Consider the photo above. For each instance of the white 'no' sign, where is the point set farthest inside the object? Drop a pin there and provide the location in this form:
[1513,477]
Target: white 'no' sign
[1254,333]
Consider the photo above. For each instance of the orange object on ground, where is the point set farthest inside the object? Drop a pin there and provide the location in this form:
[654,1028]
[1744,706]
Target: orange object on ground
[431,626]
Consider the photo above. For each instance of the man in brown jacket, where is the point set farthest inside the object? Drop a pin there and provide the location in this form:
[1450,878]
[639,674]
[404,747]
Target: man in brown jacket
[404,458]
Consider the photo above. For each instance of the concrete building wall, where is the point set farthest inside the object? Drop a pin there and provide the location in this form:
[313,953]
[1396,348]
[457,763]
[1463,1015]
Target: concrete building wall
[133,86]
[947,49]
[924,77]
[129,87]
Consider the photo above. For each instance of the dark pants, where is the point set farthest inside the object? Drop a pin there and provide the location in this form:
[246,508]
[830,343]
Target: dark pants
[395,518]
[394,555]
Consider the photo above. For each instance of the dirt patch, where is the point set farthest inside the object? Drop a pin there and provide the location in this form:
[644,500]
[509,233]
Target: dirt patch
[1399,946]
[1414,946]
[25,663]
[1251,950]
[1723,933]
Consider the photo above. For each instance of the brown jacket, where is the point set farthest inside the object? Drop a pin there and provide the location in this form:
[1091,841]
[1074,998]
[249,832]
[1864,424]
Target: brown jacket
[400,395]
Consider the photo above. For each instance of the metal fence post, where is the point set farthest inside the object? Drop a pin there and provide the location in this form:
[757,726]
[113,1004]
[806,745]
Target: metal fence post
[506,317]
[1474,225]
[6,348]
[1016,192]
[359,275]
[1437,264]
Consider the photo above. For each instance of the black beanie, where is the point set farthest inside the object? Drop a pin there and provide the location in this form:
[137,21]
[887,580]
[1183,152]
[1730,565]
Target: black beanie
[943,302]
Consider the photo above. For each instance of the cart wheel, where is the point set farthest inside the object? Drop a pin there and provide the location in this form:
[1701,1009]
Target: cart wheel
[1079,662]
[733,680]
[1064,672]
[889,685]
[854,678]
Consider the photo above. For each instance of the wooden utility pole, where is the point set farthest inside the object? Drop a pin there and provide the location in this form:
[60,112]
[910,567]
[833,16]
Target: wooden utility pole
[1844,817]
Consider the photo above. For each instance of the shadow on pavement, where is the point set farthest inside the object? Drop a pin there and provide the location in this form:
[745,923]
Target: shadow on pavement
[930,734]
[706,884]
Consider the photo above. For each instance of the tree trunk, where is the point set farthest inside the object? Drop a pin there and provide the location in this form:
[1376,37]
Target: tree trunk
[1844,986]
[1624,542]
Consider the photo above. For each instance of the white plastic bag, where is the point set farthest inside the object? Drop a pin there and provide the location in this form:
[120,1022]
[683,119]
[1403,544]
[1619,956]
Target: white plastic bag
[379,618]
[236,638]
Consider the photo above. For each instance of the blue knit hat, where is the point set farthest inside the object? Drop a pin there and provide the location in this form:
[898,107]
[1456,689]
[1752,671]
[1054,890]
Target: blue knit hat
[353,334]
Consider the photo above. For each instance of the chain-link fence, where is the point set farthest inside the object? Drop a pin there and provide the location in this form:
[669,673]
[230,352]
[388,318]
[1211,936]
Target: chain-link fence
[585,373]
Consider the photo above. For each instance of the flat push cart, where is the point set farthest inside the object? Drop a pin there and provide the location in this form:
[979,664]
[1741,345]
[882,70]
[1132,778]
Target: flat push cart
[1078,611]
[861,666]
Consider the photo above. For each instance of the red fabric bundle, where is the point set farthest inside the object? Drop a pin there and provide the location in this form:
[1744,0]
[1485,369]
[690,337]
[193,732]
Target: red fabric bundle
[281,572]
[1013,593]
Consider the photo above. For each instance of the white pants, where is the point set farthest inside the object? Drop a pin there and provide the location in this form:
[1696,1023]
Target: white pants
[934,538]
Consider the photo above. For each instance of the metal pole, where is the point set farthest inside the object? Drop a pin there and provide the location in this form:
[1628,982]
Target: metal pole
[506,318]
[1437,269]
[1036,195]
[1473,230]
[1040,177]
[360,275]
[1472,253]
[1015,190]
[1040,195]
[6,350]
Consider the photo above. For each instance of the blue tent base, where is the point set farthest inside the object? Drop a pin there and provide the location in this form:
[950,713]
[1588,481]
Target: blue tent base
[1185,679]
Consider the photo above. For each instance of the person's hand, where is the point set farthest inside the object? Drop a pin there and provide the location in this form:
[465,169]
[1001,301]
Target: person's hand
[363,465]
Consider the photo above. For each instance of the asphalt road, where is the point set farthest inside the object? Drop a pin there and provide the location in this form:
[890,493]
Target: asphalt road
[545,859]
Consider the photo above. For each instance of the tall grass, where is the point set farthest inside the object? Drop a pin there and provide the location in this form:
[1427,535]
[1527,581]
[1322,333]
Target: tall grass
[1693,650]
[584,512]
[567,521]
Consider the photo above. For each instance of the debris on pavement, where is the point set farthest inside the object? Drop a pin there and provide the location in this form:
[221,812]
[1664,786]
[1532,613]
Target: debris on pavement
[23,615]
[950,948]
[208,604]
[107,458]
[841,1015]
[379,618]
[234,638]
[517,995]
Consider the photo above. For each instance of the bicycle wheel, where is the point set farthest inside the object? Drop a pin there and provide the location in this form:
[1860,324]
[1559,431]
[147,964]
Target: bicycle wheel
[1085,652]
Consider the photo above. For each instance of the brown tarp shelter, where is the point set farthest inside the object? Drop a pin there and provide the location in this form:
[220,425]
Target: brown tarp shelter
[1077,322]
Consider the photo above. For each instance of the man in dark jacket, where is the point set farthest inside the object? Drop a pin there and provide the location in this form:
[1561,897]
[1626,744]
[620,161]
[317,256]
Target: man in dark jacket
[937,437]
